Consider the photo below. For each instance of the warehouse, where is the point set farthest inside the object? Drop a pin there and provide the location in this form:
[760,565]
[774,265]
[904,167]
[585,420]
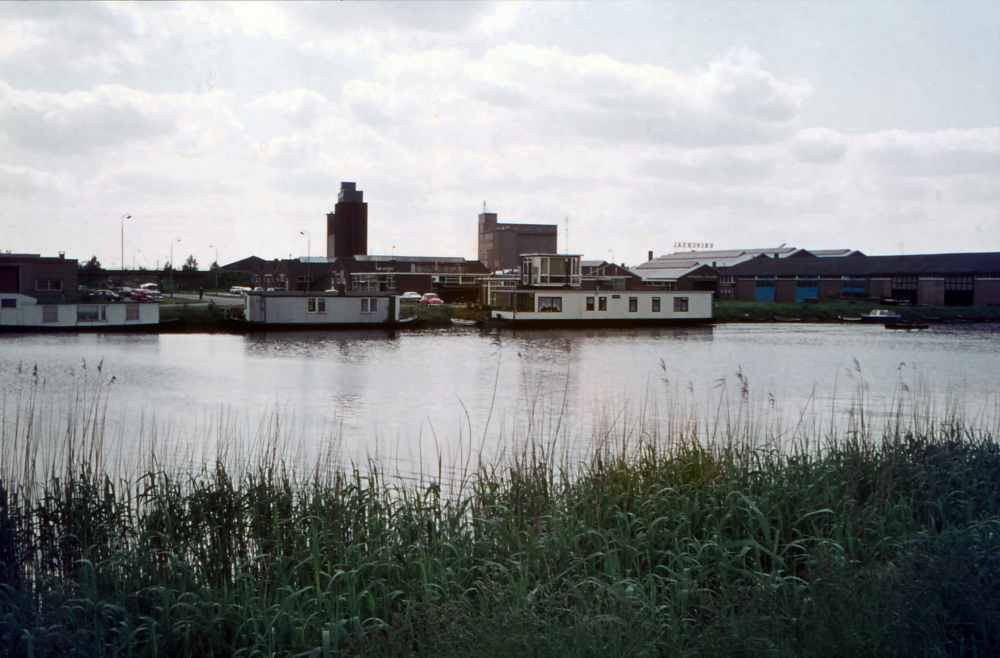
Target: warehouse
[930,279]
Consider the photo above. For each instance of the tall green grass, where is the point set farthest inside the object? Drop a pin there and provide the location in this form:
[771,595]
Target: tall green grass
[725,534]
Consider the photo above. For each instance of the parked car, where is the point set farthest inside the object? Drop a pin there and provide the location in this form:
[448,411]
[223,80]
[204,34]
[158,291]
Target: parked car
[140,295]
[104,296]
[431,299]
[238,290]
[408,297]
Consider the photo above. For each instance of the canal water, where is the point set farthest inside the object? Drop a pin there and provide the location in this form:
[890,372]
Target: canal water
[416,399]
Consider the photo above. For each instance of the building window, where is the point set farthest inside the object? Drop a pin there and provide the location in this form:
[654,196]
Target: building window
[369,305]
[590,303]
[48,284]
[602,303]
[958,283]
[9,302]
[680,304]
[131,313]
[633,304]
[656,304]
[50,313]
[550,304]
[853,286]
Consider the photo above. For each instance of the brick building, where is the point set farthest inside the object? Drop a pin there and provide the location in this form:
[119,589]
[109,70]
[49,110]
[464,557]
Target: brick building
[501,245]
[48,279]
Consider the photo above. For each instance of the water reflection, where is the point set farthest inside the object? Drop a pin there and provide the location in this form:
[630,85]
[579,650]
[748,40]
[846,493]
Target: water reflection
[412,395]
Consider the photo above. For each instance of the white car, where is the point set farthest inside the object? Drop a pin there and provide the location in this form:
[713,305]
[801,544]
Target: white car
[238,290]
[408,297]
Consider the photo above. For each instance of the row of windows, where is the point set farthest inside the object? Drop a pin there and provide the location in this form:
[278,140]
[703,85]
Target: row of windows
[680,304]
[48,284]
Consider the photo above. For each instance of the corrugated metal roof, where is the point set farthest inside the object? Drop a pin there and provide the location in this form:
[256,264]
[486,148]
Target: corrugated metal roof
[984,264]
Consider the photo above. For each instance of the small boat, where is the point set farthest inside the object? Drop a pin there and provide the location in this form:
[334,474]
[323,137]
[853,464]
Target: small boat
[907,325]
[971,319]
[751,318]
[882,316]
[458,322]
[928,318]
[849,318]
[782,318]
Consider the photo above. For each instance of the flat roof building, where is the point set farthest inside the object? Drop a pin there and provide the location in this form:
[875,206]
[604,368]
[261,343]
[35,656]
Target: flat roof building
[501,245]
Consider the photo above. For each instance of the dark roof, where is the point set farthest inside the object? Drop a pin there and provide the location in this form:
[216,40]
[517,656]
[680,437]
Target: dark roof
[245,265]
[915,265]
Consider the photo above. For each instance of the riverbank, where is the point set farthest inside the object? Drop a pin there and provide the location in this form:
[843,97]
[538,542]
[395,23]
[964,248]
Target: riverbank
[872,546]
[830,311]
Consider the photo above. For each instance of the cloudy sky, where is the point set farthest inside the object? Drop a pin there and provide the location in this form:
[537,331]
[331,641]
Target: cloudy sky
[868,125]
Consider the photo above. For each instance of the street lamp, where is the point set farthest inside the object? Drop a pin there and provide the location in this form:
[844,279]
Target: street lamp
[173,267]
[124,217]
[612,256]
[308,257]
[216,267]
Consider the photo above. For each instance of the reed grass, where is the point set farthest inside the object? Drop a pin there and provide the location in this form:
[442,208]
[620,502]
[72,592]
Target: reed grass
[730,534]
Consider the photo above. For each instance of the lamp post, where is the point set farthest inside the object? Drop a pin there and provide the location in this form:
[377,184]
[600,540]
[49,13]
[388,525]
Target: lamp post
[612,256]
[172,266]
[216,267]
[308,257]
[124,217]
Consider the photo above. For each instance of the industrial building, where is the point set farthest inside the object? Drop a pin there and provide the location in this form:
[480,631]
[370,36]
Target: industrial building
[44,278]
[931,279]
[347,225]
[501,245]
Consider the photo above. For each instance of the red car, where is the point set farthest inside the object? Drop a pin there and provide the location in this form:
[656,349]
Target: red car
[431,299]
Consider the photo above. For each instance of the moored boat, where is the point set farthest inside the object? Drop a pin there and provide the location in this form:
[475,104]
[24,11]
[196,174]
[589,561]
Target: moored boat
[462,322]
[849,318]
[783,318]
[882,316]
[23,313]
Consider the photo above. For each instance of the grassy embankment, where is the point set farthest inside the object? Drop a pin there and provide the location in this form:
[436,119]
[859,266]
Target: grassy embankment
[885,542]
[828,311]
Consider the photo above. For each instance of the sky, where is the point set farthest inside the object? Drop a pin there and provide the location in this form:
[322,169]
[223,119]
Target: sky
[225,130]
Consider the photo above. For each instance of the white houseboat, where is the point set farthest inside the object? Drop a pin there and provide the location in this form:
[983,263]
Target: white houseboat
[282,309]
[550,293]
[23,313]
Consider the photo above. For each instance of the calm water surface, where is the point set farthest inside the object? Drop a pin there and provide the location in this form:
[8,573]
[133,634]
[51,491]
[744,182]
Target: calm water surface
[407,398]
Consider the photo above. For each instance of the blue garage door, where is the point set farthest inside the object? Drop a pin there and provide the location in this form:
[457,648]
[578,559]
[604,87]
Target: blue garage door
[765,291]
[807,289]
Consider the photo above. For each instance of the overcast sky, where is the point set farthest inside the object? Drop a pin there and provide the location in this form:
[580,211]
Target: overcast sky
[866,125]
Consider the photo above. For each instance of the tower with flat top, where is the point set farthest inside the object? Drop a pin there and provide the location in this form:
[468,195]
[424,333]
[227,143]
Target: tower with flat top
[347,225]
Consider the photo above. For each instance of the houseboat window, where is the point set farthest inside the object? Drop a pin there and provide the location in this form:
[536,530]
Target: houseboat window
[369,305]
[680,304]
[633,304]
[321,306]
[602,303]
[590,303]
[311,305]
[550,304]
[616,296]
[656,304]
[50,313]
[131,313]
[8,303]
[525,303]
[91,313]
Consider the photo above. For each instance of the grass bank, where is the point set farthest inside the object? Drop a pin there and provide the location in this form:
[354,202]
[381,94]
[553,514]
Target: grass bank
[829,311]
[197,319]
[880,543]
